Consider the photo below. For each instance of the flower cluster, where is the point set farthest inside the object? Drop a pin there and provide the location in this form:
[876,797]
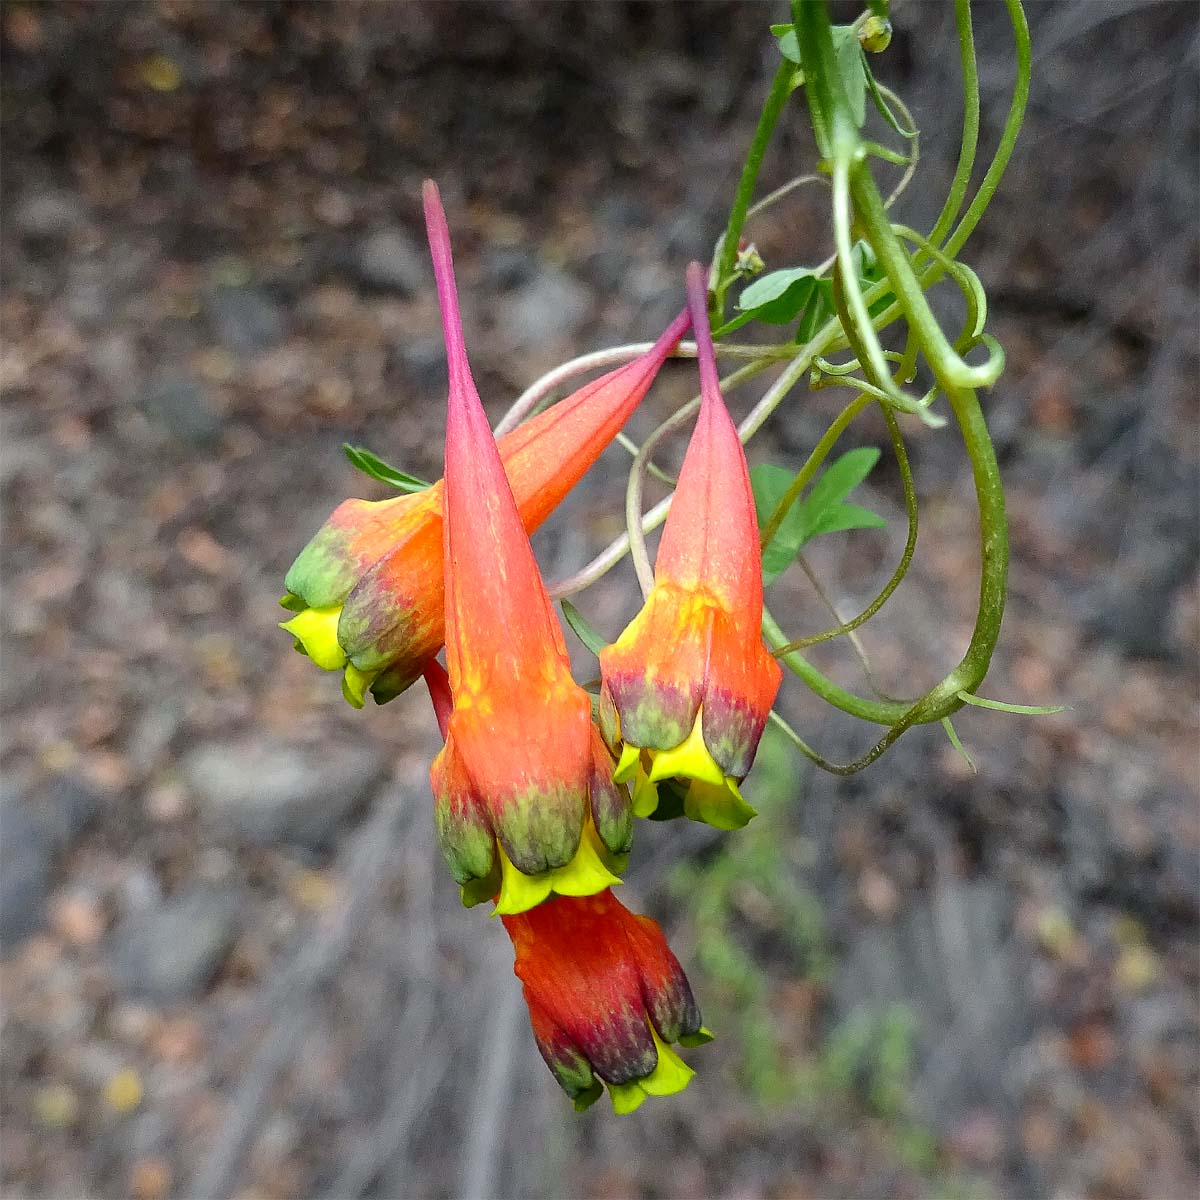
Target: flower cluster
[538,784]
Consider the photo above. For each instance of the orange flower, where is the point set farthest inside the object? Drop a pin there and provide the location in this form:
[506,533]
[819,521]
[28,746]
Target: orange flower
[606,997]
[367,590]
[688,685]
[526,805]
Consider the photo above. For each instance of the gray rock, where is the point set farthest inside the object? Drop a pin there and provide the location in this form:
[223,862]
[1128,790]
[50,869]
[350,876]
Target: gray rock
[50,213]
[245,319]
[266,793]
[26,860]
[170,953]
[424,360]
[1133,607]
[176,402]
[553,305]
[153,732]
[33,832]
[389,260]
[507,267]
[70,807]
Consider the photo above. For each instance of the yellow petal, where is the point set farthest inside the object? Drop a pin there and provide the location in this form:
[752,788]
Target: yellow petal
[518,892]
[690,759]
[670,1075]
[589,872]
[719,805]
[316,630]
[645,795]
[355,684]
[626,764]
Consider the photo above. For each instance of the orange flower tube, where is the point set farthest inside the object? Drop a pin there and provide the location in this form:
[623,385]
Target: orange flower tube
[606,998]
[526,804]
[688,686]
[367,589]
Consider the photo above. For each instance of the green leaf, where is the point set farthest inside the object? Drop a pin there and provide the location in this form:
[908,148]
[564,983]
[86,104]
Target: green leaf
[593,640]
[374,466]
[841,477]
[848,54]
[817,311]
[768,483]
[822,510]
[1025,710]
[779,297]
[841,517]
[789,45]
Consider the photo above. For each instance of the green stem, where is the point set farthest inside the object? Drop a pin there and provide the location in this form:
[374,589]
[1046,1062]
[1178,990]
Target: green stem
[987,189]
[726,257]
[1012,127]
[881,712]
[970,132]
[948,367]
[852,175]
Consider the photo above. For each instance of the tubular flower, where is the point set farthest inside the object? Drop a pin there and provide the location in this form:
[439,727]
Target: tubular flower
[367,590]
[526,804]
[606,998]
[688,685]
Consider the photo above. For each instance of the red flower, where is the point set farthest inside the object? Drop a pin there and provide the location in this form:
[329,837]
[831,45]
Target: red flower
[688,686]
[606,997]
[526,805]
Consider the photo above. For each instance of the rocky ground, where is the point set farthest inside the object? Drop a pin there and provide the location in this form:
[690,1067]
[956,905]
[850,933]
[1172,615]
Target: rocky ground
[232,962]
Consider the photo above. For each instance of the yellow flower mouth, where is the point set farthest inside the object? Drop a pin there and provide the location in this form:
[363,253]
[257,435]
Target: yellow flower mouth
[591,870]
[355,684]
[670,1075]
[315,631]
[712,796]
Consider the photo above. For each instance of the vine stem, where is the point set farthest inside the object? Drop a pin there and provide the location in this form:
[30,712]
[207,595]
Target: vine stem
[614,356]
[831,129]
[970,134]
[853,181]
[725,257]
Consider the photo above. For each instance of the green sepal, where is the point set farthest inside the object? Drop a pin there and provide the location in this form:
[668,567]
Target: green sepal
[480,891]
[292,602]
[374,466]
[590,637]
[393,681]
[585,1099]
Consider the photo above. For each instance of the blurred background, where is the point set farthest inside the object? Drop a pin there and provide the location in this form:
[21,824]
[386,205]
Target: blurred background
[233,964]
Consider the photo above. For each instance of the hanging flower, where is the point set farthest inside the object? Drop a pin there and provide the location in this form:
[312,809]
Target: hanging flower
[688,686]
[526,804]
[367,590]
[606,998]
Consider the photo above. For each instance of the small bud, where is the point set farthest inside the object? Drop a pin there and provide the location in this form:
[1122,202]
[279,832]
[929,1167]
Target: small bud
[875,34]
[749,261]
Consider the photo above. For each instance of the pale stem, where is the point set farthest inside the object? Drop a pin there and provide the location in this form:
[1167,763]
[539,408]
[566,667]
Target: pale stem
[615,356]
